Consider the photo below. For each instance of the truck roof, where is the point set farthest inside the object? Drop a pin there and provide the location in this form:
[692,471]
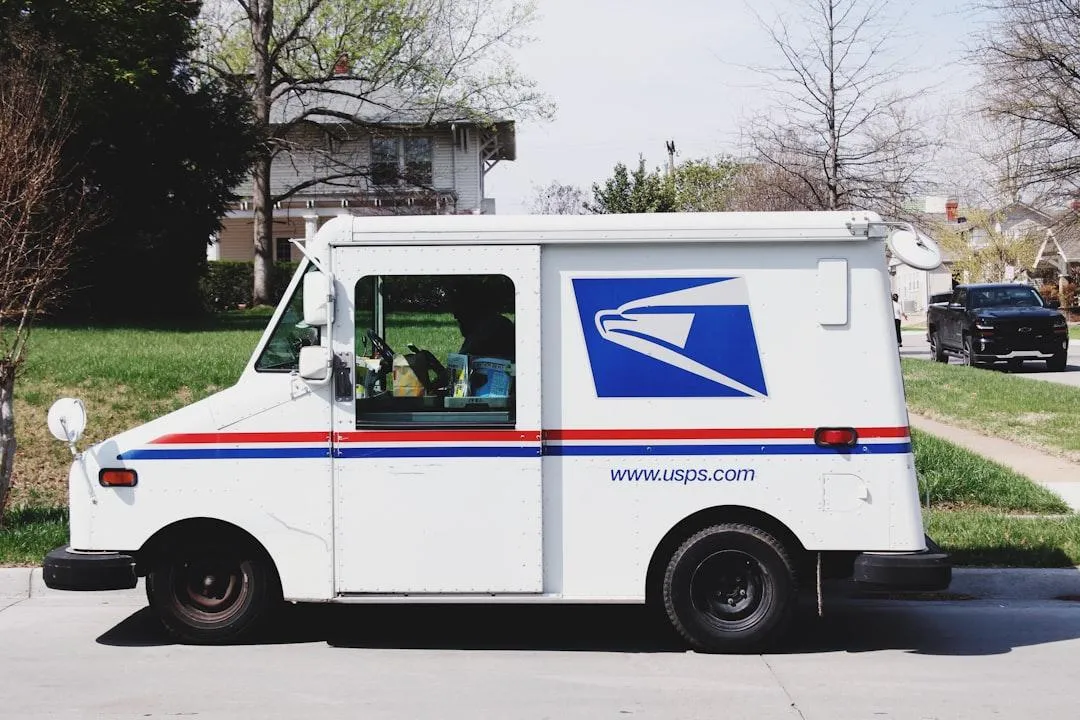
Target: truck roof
[650,227]
[994,285]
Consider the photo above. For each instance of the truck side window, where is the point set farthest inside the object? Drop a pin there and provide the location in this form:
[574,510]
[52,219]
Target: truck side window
[435,350]
[282,351]
[960,298]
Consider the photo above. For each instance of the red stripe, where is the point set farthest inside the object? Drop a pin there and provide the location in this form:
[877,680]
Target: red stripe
[242,437]
[528,436]
[531,436]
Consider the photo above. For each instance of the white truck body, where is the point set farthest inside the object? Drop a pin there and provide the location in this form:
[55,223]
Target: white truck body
[667,367]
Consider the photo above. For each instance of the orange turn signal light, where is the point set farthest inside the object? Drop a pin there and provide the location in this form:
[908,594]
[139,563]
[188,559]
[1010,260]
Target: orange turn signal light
[117,477]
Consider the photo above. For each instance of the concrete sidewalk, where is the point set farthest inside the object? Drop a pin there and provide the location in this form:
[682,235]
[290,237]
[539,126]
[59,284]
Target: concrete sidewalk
[1052,472]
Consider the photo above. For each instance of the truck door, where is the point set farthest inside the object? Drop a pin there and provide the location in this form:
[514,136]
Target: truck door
[436,450]
[954,319]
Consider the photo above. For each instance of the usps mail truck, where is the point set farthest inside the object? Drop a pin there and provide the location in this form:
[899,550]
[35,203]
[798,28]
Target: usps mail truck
[700,411]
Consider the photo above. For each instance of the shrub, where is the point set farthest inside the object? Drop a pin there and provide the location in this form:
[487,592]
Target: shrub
[227,284]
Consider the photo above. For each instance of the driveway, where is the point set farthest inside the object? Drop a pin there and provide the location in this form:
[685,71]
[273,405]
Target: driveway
[917,346]
[102,655]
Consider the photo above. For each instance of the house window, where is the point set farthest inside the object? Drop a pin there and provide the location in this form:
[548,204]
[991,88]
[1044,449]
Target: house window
[396,161]
[418,161]
[282,249]
[435,351]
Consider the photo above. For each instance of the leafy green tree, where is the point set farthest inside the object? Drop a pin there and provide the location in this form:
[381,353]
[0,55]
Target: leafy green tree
[159,145]
[343,67]
[983,252]
[707,185]
[639,191]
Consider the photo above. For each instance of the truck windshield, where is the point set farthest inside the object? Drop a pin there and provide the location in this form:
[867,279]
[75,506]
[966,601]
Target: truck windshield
[1005,297]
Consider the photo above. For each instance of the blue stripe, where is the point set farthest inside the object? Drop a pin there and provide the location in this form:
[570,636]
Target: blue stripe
[354,452]
[801,449]
[213,453]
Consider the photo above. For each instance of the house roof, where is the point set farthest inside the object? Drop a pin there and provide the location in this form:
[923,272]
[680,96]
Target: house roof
[347,100]
[1067,233]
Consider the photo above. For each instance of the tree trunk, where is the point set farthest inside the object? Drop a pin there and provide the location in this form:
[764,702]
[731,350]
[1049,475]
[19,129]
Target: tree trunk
[7,433]
[264,229]
[262,20]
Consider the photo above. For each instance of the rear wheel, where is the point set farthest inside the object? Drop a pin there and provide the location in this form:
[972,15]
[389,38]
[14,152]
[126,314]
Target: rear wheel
[730,588]
[208,594]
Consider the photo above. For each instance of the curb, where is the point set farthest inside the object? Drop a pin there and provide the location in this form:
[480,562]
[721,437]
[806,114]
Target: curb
[980,583]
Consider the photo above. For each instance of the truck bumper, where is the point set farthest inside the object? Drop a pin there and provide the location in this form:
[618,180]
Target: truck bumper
[930,569]
[66,569]
[1000,350]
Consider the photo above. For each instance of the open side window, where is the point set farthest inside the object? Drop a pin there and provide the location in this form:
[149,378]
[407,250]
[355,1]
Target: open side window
[435,350]
[282,351]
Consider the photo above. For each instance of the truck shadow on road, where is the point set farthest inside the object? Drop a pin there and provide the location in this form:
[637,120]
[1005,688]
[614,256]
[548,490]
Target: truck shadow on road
[933,627]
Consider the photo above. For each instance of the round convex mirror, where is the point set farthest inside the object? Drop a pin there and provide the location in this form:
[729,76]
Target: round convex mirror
[67,419]
[915,249]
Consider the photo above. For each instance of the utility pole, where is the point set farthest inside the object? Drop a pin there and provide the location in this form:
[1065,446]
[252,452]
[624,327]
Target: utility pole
[671,158]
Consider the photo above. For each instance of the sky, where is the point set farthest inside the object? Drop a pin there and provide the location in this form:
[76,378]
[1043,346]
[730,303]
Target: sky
[628,75]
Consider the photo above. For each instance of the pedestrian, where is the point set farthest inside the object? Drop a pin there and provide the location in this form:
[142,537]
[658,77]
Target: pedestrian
[898,314]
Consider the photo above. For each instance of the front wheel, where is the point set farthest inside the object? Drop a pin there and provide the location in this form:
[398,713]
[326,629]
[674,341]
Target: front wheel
[1058,362]
[937,350]
[730,588]
[205,595]
[969,354]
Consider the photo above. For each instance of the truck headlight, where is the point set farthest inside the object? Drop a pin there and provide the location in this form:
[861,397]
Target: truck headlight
[1060,321]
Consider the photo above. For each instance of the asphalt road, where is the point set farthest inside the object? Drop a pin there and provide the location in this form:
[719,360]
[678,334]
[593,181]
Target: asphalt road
[917,346]
[103,656]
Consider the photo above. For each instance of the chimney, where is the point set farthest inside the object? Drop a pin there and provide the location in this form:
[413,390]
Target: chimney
[341,67]
[951,206]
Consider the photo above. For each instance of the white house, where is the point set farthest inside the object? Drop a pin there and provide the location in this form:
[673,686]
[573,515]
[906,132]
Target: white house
[385,161]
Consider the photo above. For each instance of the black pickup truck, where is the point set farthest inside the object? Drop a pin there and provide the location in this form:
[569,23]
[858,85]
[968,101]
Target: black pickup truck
[984,324]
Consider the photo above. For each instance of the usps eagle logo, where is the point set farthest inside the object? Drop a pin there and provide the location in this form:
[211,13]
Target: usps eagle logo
[670,337]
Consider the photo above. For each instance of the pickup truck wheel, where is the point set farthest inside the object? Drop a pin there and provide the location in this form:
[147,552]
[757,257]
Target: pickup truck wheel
[730,588]
[205,595]
[1057,363]
[937,350]
[969,356]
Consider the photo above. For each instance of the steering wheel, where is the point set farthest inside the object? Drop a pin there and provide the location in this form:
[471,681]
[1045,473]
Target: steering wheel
[379,345]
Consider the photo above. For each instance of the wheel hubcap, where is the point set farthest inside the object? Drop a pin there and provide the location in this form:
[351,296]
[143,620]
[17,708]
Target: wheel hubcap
[729,587]
[209,587]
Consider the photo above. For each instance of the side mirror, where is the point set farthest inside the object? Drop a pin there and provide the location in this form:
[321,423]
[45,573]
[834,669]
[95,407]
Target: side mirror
[67,420]
[914,249]
[315,363]
[316,298]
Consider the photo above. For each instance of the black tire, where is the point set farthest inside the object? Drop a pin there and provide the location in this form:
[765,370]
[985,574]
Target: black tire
[936,350]
[212,594]
[730,588]
[1058,362]
[969,356]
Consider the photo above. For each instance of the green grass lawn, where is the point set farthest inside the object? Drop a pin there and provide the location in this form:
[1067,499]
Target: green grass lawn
[951,477]
[1074,332]
[1042,414]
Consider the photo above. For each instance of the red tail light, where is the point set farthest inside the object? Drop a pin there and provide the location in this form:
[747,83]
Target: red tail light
[835,437]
